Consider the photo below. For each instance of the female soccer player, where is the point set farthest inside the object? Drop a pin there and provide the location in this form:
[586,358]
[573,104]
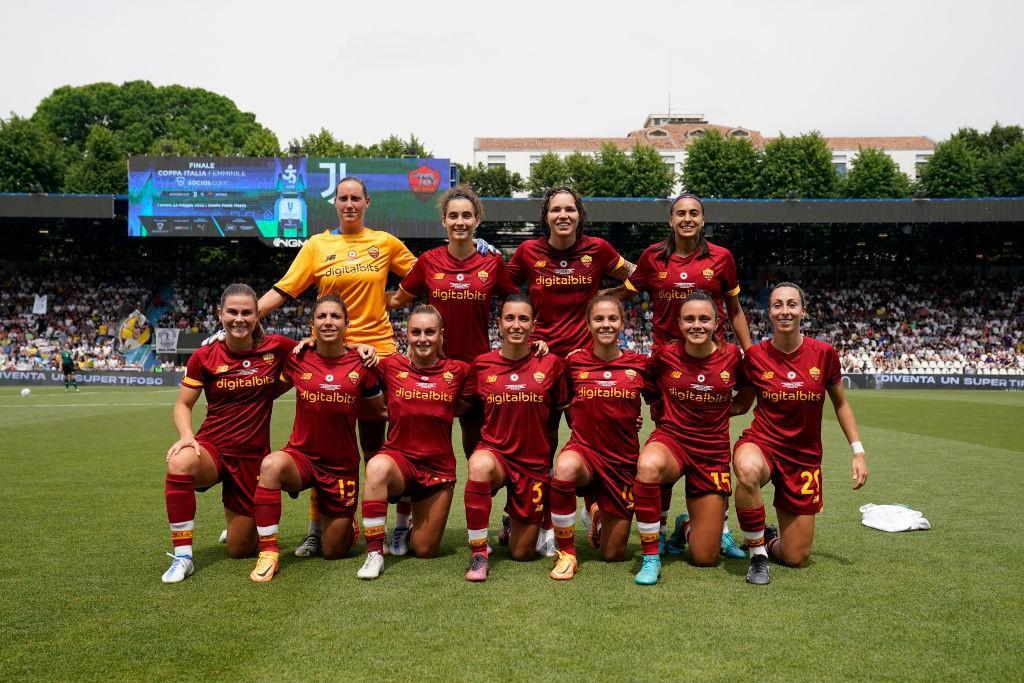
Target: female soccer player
[606,386]
[563,271]
[519,391]
[352,261]
[696,379]
[67,368]
[239,376]
[460,282]
[791,374]
[671,270]
[330,384]
[422,392]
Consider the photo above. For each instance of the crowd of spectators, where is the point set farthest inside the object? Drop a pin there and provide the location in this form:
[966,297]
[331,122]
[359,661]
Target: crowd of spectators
[915,324]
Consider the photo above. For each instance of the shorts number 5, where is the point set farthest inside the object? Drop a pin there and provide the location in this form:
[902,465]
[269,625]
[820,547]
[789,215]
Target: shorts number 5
[538,492]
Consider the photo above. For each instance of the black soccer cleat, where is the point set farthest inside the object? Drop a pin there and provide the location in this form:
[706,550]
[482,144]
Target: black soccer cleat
[757,574]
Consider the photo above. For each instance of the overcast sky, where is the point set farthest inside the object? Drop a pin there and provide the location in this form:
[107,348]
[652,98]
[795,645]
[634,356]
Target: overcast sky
[449,72]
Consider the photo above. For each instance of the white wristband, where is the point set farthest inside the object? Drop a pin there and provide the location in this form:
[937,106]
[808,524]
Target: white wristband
[857,447]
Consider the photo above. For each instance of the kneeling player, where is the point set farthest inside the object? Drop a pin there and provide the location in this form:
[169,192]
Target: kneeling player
[791,374]
[606,385]
[239,375]
[422,391]
[518,391]
[330,381]
[696,379]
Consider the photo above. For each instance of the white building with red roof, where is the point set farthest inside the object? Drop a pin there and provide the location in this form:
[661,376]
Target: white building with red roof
[672,134]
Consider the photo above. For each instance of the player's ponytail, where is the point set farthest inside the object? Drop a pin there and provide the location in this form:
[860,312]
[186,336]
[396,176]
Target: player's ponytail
[668,245]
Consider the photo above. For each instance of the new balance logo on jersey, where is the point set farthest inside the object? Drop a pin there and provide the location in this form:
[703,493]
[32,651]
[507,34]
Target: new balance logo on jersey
[330,257]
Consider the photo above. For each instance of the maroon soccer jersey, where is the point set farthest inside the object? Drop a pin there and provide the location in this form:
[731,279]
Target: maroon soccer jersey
[697,394]
[562,282]
[669,283]
[606,400]
[518,396]
[791,389]
[421,408]
[461,290]
[327,396]
[240,390]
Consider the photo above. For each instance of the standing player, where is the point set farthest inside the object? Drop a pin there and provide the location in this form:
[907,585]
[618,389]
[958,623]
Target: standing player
[67,367]
[563,271]
[330,384]
[791,374]
[696,379]
[460,283]
[239,377]
[519,391]
[422,391]
[606,386]
[353,262]
[670,271]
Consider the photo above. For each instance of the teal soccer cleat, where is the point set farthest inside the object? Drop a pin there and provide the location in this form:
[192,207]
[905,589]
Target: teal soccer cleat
[650,571]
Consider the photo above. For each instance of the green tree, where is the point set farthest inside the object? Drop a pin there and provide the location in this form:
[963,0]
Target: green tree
[261,143]
[717,166]
[319,144]
[1005,173]
[580,172]
[548,172]
[953,171]
[102,168]
[491,182]
[612,173]
[873,173]
[798,166]
[650,176]
[31,158]
[989,149]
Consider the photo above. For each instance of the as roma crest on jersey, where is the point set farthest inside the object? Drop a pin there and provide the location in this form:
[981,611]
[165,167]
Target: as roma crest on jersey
[708,273]
[448,376]
[424,182]
[307,375]
[725,375]
[631,373]
[587,260]
[353,377]
[374,252]
[268,358]
[483,275]
[539,376]
[221,368]
[815,373]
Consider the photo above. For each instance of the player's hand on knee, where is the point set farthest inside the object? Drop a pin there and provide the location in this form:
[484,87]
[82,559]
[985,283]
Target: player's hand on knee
[180,444]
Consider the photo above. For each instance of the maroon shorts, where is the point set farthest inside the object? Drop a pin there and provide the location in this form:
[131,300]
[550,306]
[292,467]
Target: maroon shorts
[420,483]
[237,477]
[610,486]
[702,476]
[528,492]
[797,487]
[336,493]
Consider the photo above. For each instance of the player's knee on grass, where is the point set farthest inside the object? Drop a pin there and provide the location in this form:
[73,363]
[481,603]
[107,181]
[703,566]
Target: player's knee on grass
[610,554]
[424,548]
[704,551]
[794,557]
[241,546]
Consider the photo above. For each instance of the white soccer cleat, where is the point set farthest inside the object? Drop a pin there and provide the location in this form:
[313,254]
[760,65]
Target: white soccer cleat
[399,543]
[180,569]
[223,537]
[372,567]
[546,545]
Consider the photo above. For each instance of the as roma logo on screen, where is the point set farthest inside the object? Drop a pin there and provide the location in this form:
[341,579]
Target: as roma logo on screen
[424,182]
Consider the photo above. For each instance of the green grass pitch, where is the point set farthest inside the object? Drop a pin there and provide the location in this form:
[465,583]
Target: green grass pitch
[83,536]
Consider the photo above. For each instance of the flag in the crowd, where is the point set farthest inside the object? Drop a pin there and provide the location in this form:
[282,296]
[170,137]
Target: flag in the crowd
[167,339]
[134,331]
[39,305]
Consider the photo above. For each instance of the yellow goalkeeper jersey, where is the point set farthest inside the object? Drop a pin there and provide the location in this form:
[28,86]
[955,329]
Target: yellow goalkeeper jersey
[355,267]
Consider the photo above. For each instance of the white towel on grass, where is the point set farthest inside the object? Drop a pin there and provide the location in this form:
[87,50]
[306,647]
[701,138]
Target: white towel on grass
[893,518]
